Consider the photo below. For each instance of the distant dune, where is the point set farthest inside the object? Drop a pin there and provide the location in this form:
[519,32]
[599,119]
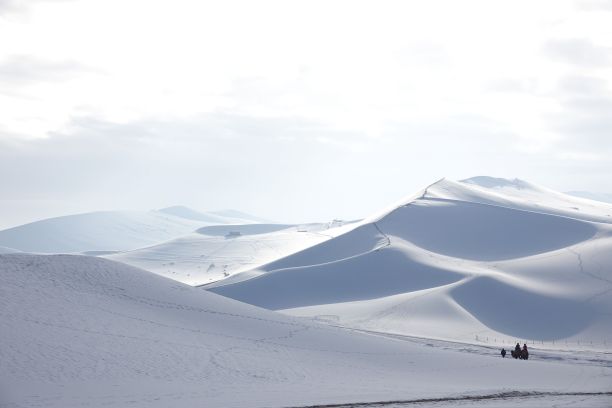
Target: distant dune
[216,252]
[109,230]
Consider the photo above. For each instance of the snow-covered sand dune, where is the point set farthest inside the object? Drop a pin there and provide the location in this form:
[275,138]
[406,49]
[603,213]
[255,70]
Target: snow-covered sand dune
[216,252]
[109,230]
[522,195]
[484,258]
[80,331]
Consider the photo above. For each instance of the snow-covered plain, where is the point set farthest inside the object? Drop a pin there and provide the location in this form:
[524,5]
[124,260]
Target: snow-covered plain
[78,331]
[110,230]
[212,253]
[484,260]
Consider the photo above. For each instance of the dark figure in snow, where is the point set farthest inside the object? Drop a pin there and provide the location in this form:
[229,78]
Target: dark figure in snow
[516,353]
[503,353]
[524,352]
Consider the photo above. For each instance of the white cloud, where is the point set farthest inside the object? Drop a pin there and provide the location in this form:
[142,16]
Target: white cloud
[578,51]
[580,156]
[594,5]
[18,70]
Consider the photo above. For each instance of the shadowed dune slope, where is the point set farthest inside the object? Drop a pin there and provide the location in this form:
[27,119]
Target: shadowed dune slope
[508,259]
[482,232]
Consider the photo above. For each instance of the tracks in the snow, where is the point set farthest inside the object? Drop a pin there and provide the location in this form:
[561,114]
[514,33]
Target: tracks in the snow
[463,398]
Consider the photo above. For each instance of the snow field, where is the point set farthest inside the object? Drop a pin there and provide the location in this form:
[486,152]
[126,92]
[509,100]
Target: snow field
[84,331]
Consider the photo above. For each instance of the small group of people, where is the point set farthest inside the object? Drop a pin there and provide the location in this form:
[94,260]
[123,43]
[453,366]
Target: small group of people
[522,354]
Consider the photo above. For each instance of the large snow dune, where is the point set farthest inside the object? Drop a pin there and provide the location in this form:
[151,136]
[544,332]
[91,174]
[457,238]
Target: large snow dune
[484,258]
[79,331]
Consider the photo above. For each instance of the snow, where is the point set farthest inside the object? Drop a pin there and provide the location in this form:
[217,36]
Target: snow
[80,331]
[108,230]
[462,261]
[212,253]
[526,196]
[482,232]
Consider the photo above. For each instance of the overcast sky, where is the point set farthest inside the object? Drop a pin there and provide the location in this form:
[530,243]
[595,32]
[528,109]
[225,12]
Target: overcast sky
[295,111]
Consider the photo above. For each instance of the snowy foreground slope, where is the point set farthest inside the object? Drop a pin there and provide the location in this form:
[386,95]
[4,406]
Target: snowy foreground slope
[109,230]
[213,253]
[83,331]
[481,260]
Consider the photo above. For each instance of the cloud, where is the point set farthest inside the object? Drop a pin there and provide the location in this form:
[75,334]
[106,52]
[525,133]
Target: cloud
[278,167]
[7,6]
[578,51]
[288,169]
[21,6]
[425,54]
[512,85]
[199,114]
[215,160]
[589,129]
[578,156]
[594,5]
[584,120]
[22,69]
[581,85]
